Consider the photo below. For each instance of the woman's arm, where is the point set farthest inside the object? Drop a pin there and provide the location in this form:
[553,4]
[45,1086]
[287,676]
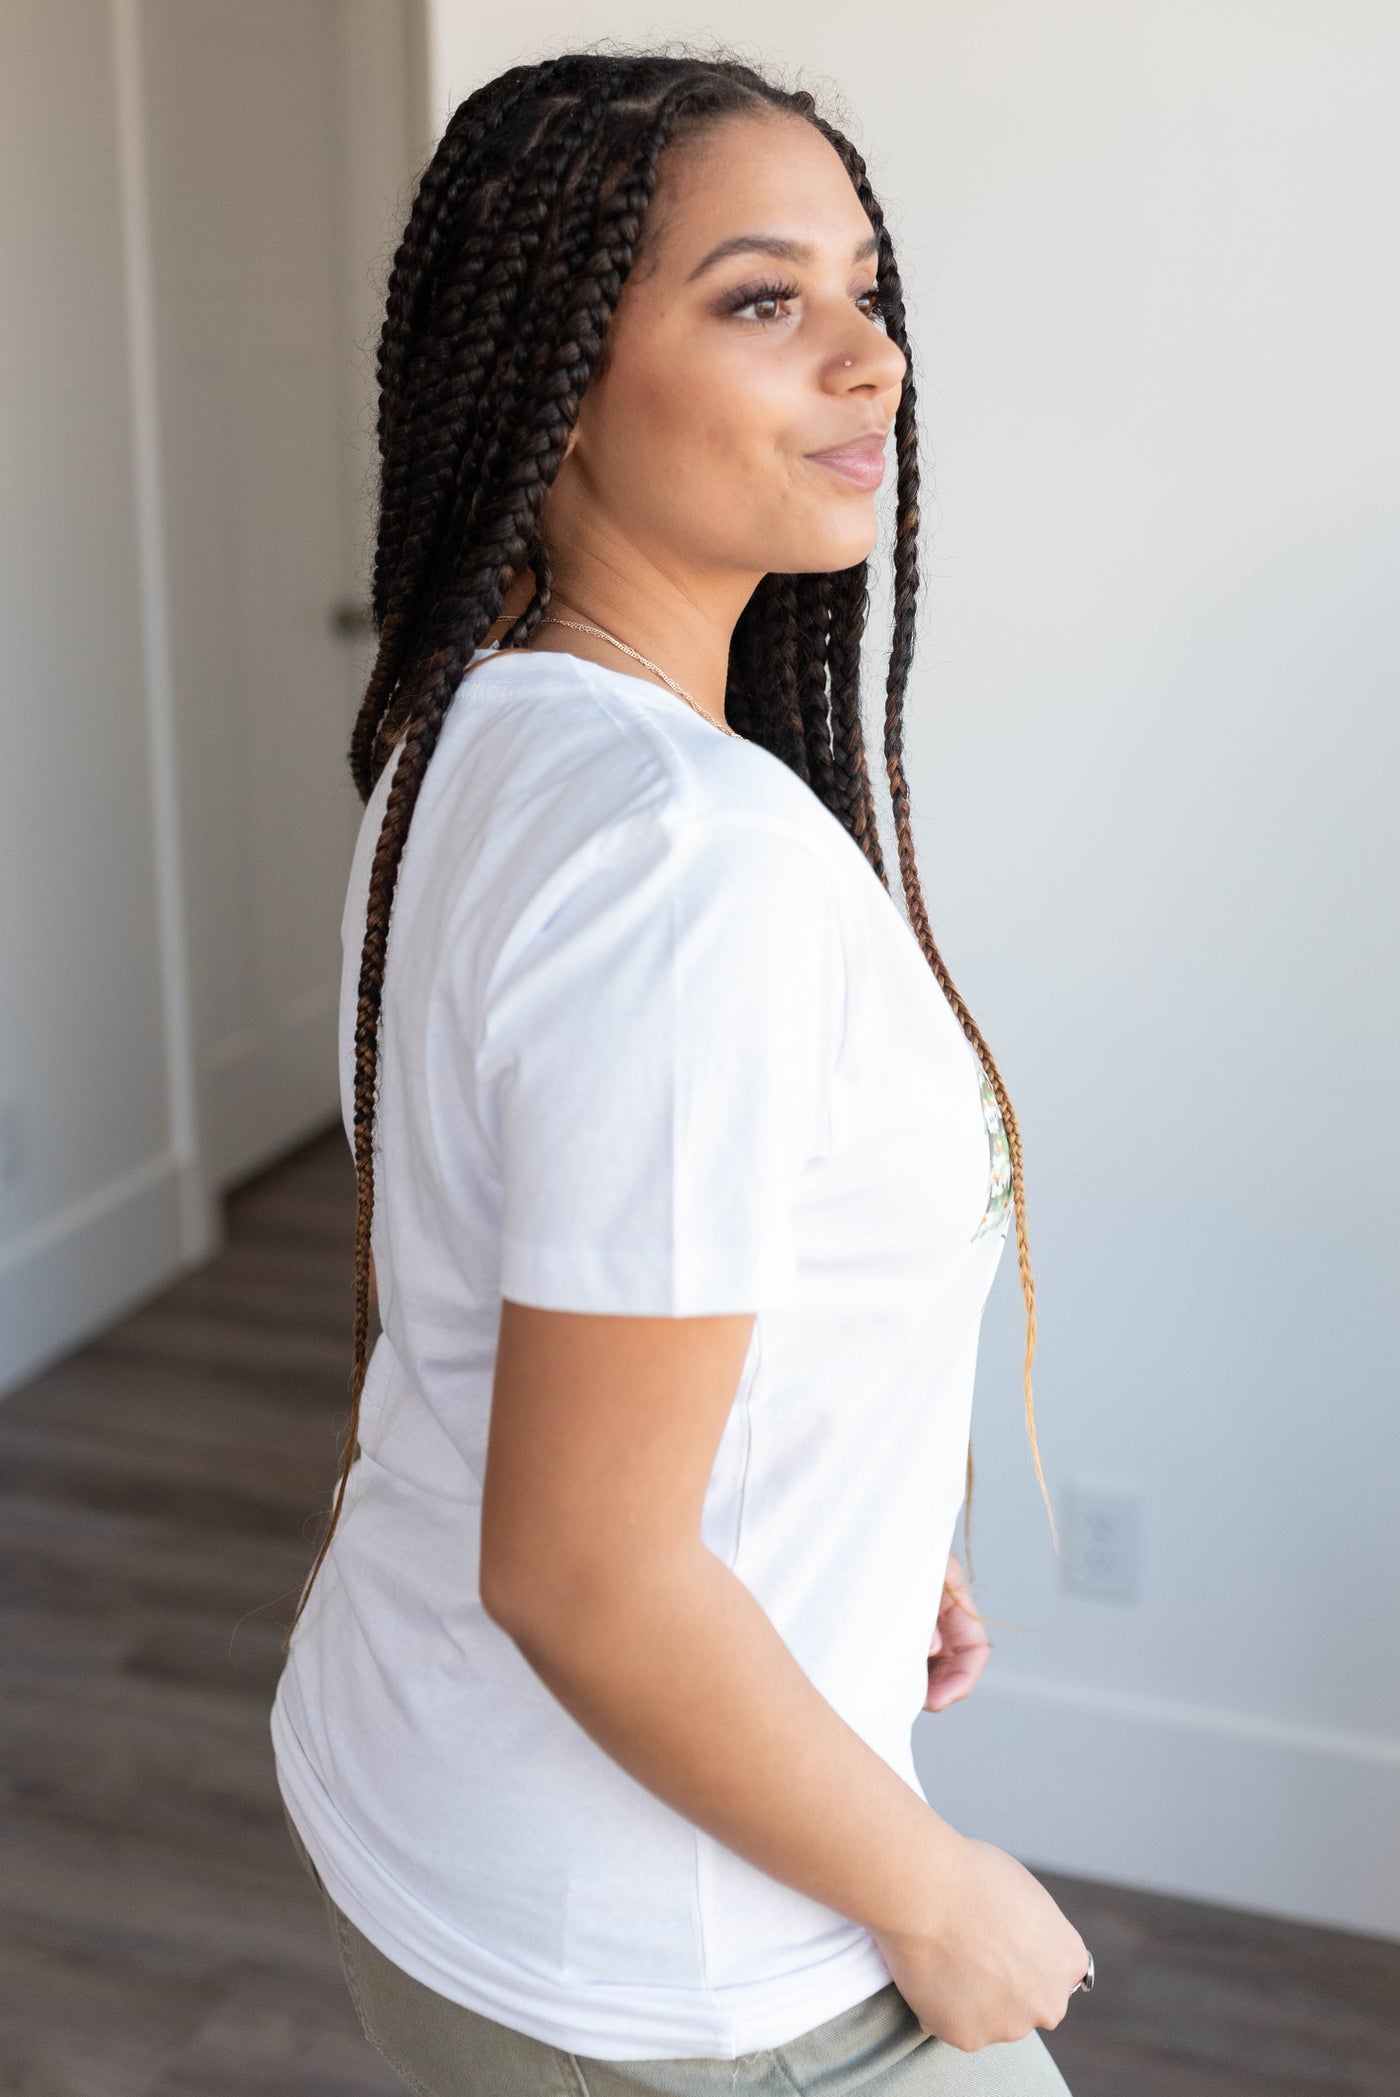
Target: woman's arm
[603,1436]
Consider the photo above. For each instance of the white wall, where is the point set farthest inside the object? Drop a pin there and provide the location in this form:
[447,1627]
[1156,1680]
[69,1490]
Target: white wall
[1150,252]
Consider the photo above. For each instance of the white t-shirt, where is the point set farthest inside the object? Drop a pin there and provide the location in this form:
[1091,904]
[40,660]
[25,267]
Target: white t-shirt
[654,1040]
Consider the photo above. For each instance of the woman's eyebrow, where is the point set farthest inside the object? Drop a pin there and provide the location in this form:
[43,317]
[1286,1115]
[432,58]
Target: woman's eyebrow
[774,244]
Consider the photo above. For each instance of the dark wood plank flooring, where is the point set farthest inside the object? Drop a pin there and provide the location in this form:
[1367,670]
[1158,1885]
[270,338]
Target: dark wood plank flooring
[158,1505]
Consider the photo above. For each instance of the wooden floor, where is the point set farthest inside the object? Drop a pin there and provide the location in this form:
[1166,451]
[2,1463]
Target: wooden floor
[158,1504]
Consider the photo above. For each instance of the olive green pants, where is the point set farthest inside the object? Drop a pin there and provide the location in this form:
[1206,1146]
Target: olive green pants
[442,2049]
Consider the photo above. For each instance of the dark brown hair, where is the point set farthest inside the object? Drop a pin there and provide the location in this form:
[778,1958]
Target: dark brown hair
[522,231]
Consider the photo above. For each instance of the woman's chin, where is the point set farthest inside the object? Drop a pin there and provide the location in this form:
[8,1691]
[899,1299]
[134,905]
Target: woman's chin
[831,552]
[821,540]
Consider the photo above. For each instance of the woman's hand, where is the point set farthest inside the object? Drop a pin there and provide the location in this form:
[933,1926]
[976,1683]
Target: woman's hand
[999,1958]
[960,1645]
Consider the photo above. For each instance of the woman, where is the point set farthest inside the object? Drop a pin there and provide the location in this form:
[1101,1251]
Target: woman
[685,1168]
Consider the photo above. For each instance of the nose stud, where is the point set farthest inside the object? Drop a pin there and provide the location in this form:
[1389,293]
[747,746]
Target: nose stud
[848,360]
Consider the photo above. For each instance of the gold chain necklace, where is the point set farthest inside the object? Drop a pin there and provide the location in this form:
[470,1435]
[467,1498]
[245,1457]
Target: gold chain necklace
[580,626]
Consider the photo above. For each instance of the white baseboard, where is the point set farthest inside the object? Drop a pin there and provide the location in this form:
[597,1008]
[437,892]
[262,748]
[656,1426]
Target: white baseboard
[1281,1819]
[68,1278]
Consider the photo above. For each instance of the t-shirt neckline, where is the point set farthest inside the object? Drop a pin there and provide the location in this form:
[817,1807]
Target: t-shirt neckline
[635,685]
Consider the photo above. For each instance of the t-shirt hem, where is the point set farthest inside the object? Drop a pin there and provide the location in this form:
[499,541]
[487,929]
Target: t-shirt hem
[613,2021]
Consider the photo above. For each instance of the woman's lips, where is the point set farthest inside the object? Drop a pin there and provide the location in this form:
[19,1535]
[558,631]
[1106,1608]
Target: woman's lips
[862,462]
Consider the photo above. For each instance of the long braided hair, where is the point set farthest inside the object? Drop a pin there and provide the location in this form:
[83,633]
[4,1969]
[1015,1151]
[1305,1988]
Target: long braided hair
[522,230]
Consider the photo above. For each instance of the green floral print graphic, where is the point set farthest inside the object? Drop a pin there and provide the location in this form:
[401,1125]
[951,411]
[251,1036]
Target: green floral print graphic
[999,1193]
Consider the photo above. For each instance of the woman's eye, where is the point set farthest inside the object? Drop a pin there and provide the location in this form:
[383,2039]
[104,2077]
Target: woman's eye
[761,295]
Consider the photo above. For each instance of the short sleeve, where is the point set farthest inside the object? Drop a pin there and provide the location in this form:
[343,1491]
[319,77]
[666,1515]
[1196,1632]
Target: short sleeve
[656,1064]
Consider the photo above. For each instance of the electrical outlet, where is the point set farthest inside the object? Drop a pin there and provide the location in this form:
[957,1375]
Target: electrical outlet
[14,1151]
[1103,1554]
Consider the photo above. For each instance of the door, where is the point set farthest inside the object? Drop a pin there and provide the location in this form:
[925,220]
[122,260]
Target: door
[282,137]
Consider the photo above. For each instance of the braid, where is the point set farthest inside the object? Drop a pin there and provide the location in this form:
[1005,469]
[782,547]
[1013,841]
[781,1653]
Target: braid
[787,666]
[813,624]
[772,617]
[521,235]
[411,280]
[856,802]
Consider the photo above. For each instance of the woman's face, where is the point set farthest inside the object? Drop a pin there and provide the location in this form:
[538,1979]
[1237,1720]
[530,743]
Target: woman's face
[694,444]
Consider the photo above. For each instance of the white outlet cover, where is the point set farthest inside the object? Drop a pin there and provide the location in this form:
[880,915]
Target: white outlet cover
[1103,1542]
